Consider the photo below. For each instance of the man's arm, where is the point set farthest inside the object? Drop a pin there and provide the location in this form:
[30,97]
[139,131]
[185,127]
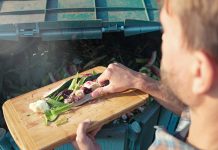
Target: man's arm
[122,78]
[163,95]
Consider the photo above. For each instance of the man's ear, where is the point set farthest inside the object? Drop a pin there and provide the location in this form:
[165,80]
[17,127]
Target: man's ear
[203,72]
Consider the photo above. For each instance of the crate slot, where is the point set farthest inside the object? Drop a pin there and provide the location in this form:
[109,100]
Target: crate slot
[51,5]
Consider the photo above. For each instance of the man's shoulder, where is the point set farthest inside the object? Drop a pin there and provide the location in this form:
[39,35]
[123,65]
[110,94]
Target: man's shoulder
[164,140]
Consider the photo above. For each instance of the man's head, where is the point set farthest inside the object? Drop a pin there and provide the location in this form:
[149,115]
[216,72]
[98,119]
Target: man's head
[190,48]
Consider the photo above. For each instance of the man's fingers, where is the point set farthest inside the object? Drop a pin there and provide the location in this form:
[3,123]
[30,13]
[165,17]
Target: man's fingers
[82,128]
[93,133]
[98,92]
[101,91]
[104,76]
[84,140]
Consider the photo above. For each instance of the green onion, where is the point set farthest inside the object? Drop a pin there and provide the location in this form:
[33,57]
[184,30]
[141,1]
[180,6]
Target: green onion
[82,80]
[52,114]
[53,103]
[50,117]
[61,121]
[94,72]
[74,82]
[61,109]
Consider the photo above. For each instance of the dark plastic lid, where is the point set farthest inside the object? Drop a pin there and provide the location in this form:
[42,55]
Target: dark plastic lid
[77,19]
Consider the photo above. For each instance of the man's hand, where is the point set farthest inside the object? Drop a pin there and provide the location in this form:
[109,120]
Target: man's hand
[84,140]
[120,79]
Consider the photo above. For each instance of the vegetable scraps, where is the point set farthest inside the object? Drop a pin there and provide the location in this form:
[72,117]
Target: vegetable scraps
[61,101]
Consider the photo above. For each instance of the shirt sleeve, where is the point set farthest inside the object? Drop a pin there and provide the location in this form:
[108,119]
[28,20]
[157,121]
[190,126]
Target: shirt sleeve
[184,121]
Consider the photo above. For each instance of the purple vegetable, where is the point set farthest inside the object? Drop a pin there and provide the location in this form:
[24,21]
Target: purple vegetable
[86,90]
[66,93]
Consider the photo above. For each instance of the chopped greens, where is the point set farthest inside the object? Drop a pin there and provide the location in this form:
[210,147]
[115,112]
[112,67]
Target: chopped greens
[50,117]
[74,82]
[94,72]
[56,100]
[53,95]
[60,109]
[52,114]
[53,103]
[82,81]
[61,121]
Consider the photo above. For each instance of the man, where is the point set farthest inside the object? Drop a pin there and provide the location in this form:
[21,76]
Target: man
[189,77]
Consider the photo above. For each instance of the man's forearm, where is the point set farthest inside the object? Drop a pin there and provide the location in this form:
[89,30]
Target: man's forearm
[155,89]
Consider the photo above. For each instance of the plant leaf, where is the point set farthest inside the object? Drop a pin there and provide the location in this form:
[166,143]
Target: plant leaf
[60,121]
[94,72]
[82,80]
[74,82]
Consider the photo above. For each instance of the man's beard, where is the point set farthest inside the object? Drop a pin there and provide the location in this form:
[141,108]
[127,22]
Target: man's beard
[167,85]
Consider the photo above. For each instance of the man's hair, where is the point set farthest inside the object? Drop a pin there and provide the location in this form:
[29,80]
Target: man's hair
[199,19]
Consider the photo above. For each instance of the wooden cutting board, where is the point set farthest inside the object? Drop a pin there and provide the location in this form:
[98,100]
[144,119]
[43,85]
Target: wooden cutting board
[30,132]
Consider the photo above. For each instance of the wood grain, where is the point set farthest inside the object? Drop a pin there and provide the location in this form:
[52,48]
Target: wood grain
[29,131]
